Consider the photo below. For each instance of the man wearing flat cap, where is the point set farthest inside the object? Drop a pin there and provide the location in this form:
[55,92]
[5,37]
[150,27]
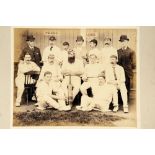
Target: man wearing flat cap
[80,50]
[126,59]
[52,49]
[32,50]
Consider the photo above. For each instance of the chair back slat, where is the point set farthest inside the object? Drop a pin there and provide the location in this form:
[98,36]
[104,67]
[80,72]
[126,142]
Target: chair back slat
[28,79]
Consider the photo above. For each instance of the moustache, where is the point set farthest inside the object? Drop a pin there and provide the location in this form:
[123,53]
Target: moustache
[107,44]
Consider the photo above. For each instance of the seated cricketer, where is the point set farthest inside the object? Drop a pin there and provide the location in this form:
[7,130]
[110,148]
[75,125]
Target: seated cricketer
[102,96]
[115,78]
[91,72]
[24,66]
[32,50]
[52,67]
[72,69]
[49,96]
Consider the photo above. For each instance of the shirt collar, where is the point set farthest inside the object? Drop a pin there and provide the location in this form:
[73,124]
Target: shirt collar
[31,47]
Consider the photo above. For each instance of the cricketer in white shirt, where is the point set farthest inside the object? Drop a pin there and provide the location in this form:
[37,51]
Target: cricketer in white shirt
[94,50]
[107,51]
[81,53]
[50,96]
[64,52]
[24,66]
[102,97]
[115,77]
[91,72]
[75,68]
[54,68]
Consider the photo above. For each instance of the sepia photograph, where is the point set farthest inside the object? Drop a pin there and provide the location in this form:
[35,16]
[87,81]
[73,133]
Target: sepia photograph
[74,77]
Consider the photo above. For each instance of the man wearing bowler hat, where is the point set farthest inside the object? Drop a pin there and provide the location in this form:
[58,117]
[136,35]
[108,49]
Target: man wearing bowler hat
[52,49]
[80,50]
[32,50]
[126,59]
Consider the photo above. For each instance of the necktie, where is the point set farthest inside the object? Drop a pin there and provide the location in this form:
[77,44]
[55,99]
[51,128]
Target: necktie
[51,48]
[114,71]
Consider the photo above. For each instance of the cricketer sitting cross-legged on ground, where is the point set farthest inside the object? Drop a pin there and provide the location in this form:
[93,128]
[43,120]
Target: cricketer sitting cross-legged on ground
[49,96]
[102,97]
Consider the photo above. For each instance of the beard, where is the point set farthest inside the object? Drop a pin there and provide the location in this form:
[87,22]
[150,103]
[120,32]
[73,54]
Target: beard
[71,59]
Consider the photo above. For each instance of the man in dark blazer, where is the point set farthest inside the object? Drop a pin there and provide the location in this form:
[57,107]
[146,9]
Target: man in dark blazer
[126,59]
[32,50]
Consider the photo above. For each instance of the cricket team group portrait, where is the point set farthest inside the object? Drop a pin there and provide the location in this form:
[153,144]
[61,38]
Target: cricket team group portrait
[74,76]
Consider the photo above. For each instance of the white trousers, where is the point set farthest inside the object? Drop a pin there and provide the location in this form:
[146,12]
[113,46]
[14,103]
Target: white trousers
[89,103]
[75,81]
[48,100]
[90,83]
[123,91]
[19,81]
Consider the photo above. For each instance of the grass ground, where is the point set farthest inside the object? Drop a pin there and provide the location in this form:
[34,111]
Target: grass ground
[28,115]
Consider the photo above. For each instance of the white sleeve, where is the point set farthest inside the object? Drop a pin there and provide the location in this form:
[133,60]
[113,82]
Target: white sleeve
[40,92]
[122,73]
[64,68]
[44,57]
[115,52]
[81,67]
[42,73]
[85,75]
[35,67]
[60,55]
[22,69]
[100,56]
[59,73]
[107,76]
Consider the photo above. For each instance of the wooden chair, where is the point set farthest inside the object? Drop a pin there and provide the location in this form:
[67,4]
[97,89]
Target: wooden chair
[30,84]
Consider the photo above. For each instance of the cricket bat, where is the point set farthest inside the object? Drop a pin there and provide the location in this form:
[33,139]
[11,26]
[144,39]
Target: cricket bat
[70,92]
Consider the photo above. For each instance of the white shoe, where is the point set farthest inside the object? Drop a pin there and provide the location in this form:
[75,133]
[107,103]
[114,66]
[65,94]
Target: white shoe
[36,104]
[65,108]
[41,108]
[33,98]
[126,110]
[104,110]
[17,104]
[78,107]
[115,109]
[108,110]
